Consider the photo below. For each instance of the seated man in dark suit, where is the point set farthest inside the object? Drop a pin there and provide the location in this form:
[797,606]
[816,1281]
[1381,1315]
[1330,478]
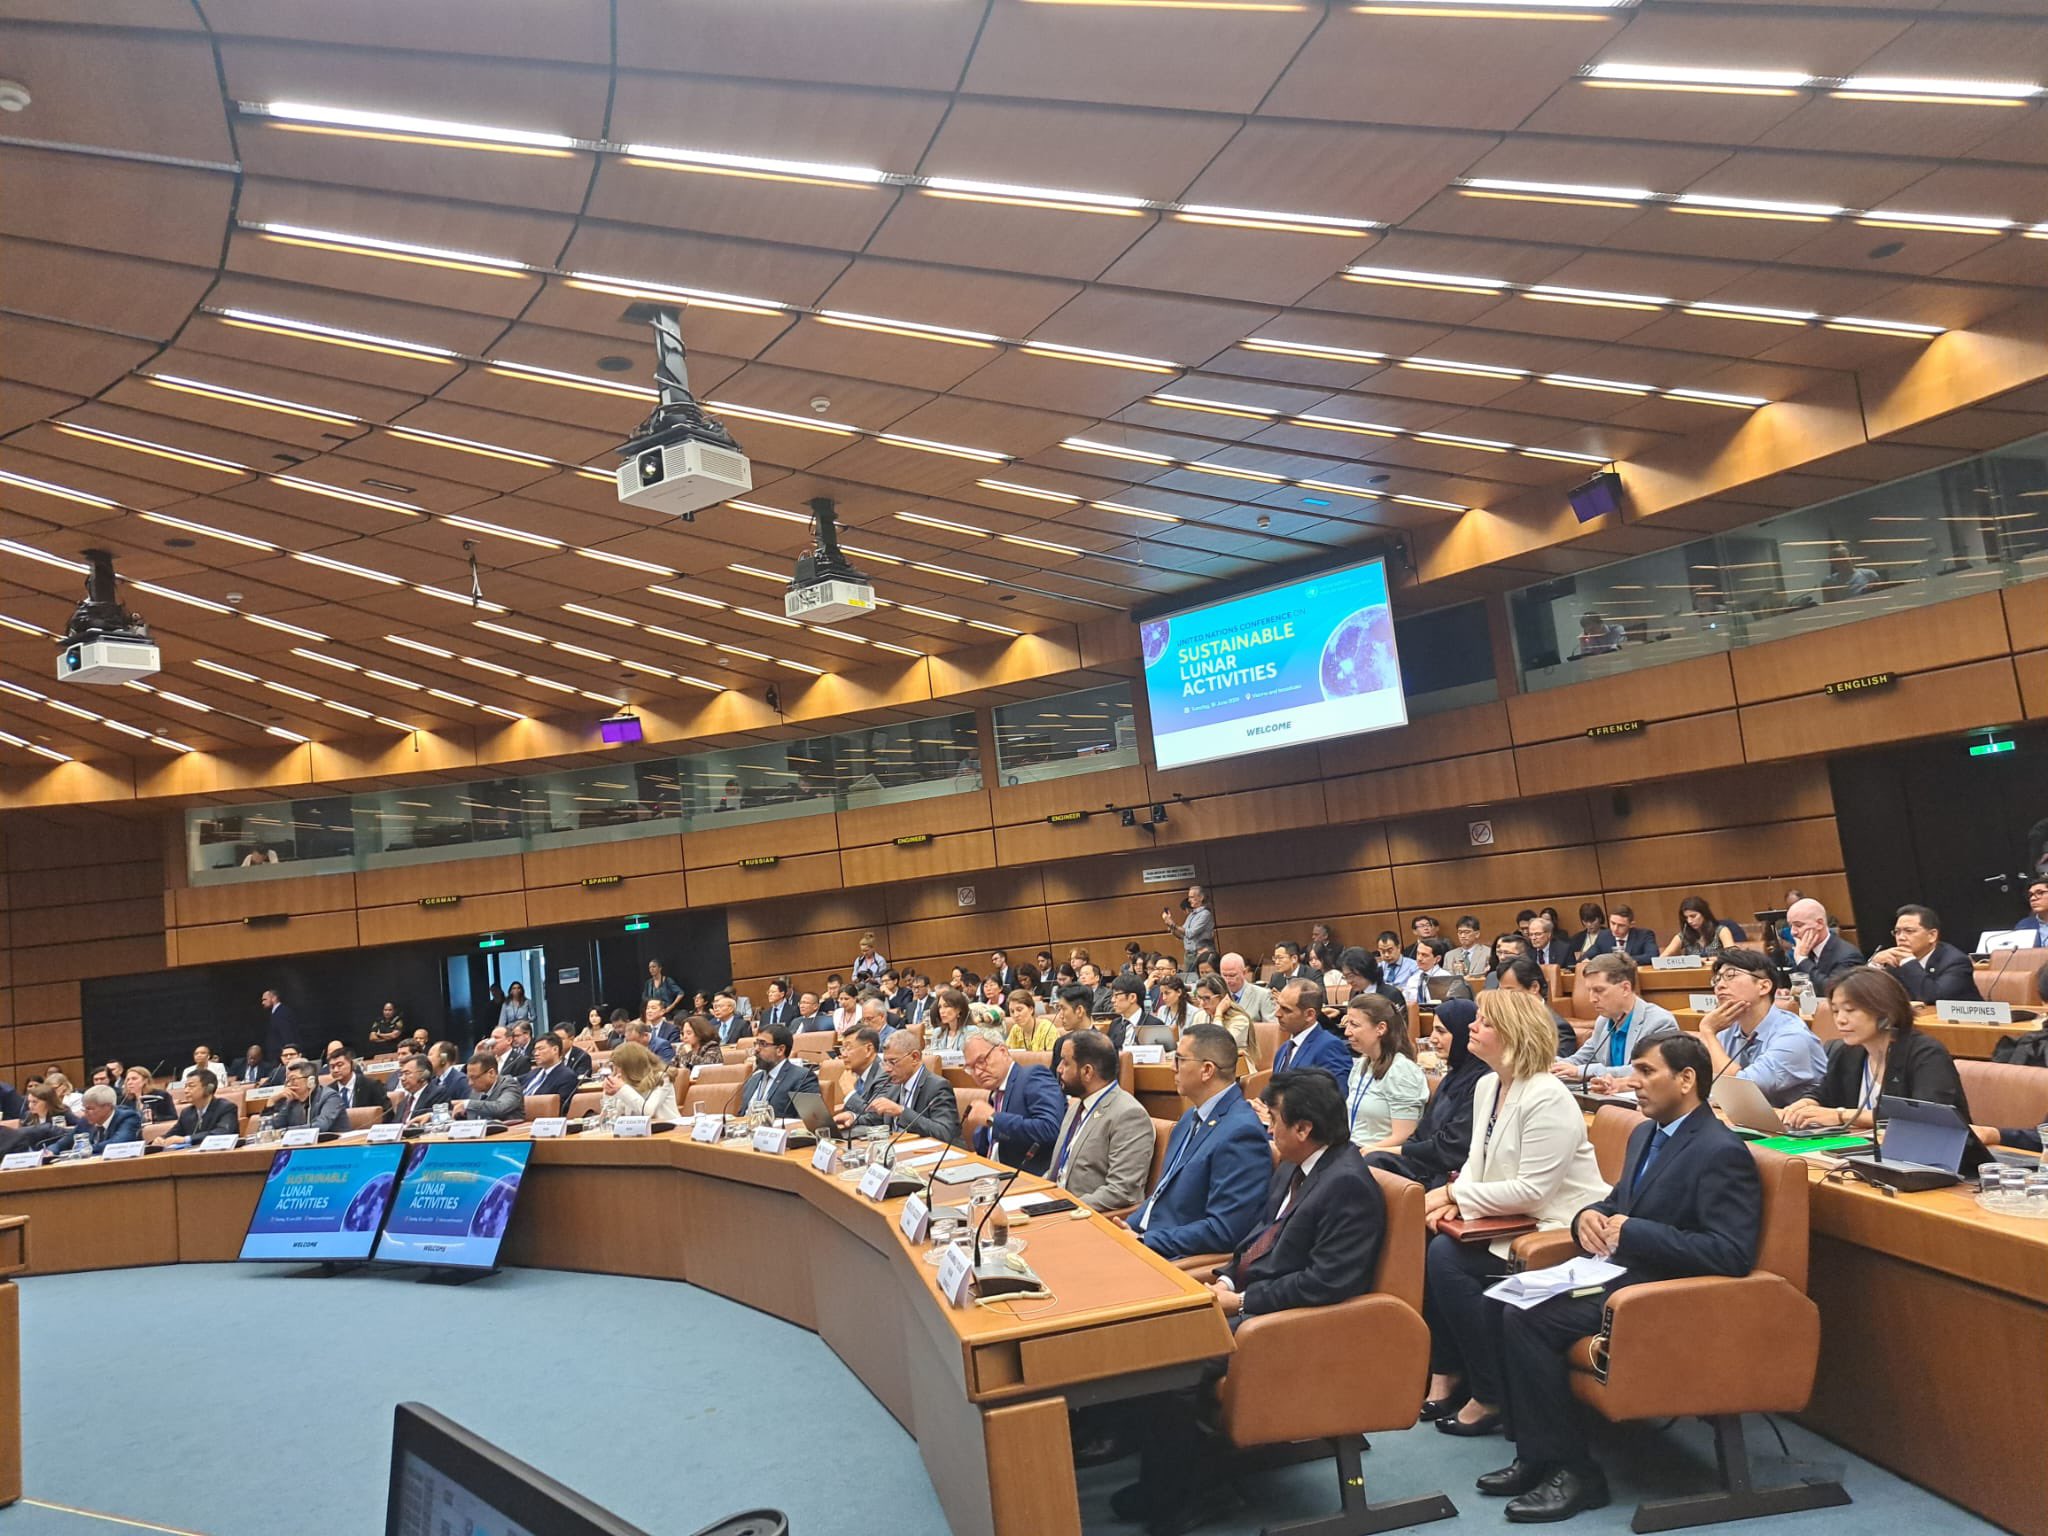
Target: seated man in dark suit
[549,1073]
[1639,944]
[107,1120]
[492,1095]
[418,1091]
[860,1053]
[254,1070]
[1218,1161]
[1931,970]
[518,1061]
[1818,952]
[306,1101]
[1688,1202]
[577,1058]
[1127,1011]
[914,1100]
[1298,1009]
[205,1114]
[640,1032]
[1316,1243]
[1019,1121]
[358,1089]
[775,1077]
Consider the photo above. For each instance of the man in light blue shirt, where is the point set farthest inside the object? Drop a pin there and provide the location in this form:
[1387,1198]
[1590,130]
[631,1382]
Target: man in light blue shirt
[1625,1023]
[1768,1046]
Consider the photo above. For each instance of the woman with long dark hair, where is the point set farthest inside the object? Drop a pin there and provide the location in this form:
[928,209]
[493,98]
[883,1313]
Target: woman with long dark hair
[1700,933]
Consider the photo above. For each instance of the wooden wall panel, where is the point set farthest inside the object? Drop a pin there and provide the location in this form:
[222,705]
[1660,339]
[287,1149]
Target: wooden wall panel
[2026,612]
[1734,798]
[1356,845]
[1452,734]
[95,957]
[994,890]
[1238,815]
[800,954]
[449,877]
[1084,879]
[970,937]
[1517,828]
[216,943]
[1099,837]
[1667,747]
[554,904]
[716,846]
[35,926]
[1765,852]
[947,853]
[1015,804]
[408,924]
[47,1042]
[826,911]
[2032,667]
[1405,791]
[1921,704]
[1918,640]
[49,1000]
[195,904]
[719,885]
[1253,770]
[936,813]
[1683,688]
[1505,877]
[116,880]
[621,856]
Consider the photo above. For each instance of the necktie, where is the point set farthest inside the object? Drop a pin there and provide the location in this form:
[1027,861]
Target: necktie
[533,1081]
[995,1107]
[1286,1055]
[1657,1140]
[1263,1243]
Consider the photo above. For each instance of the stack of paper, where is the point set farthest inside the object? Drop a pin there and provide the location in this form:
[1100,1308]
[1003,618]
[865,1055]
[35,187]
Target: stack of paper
[1533,1287]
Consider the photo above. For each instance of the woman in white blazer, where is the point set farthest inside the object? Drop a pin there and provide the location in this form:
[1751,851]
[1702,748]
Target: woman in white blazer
[1530,1157]
[638,1085]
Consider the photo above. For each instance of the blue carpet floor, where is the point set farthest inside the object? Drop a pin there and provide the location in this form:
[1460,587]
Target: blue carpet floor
[230,1401]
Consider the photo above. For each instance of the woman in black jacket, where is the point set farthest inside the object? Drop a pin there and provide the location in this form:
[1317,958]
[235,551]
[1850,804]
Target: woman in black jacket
[1880,1054]
[1437,1147]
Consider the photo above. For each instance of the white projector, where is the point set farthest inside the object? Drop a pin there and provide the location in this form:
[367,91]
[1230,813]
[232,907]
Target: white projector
[828,601]
[683,477]
[107,662]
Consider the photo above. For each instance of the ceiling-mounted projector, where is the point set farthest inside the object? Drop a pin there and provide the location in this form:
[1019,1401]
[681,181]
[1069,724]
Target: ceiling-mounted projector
[104,643]
[681,460]
[826,587]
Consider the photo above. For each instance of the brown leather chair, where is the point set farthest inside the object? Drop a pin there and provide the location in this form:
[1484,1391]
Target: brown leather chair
[1266,1039]
[714,1098]
[1612,1126]
[364,1117]
[815,1046]
[1255,1085]
[1162,1133]
[588,1101]
[542,1106]
[2010,976]
[2003,1094]
[1717,1347]
[1316,1381]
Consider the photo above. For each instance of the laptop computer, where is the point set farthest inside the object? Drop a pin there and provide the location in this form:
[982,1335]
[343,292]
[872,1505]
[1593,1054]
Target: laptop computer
[1153,1034]
[1923,1146]
[1744,1106]
[810,1108]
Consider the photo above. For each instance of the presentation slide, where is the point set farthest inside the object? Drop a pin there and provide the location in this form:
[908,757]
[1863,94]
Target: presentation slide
[453,1202]
[322,1203]
[1304,661]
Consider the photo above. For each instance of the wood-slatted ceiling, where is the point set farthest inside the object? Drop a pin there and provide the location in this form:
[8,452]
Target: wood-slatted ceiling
[1183,188]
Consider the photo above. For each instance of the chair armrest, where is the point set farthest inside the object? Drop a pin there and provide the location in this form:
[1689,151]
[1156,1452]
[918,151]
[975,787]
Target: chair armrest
[1540,1250]
[1310,1373]
[1196,1263]
[1707,1345]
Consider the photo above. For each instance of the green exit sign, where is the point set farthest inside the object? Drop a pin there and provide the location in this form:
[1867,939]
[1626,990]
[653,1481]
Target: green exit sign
[491,941]
[1991,748]
[637,924]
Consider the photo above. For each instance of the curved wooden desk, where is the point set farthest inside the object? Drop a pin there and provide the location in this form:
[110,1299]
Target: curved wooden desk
[984,1390]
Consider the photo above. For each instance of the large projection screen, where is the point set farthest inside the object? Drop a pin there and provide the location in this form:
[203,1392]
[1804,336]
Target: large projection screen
[1303,661]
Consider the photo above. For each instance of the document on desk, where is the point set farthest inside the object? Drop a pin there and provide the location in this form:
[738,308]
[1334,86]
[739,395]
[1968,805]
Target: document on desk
[1536,1286]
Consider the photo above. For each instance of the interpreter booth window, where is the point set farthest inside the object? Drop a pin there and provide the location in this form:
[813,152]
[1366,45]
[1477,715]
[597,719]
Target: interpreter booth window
[1446,659]
[602,805]
[1947,533]
[427,823]
[908,760]
[769,781]
[255,842]
[1066,733]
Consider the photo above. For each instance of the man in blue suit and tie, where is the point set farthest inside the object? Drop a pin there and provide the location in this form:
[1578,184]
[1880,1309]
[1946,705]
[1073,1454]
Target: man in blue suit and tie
[451,1082]
[107,1120]
[1218,1162]
[1299,1010]
[1020,1120]
[775,1077]
[1688,1202]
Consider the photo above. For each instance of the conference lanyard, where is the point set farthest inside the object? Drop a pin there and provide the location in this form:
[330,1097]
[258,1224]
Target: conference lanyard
[1359,1094]
[1074,1133]
[1869,1099]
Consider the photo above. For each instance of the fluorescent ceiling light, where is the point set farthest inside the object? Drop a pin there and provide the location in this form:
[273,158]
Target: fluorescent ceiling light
[1056,198]
[1011,488]
[1718,397]
[185,386]
[61,492]
[760,167]
[337,493]
[469,445]
[1402,277]
[1714,309]
[939,522]
[1339,424]
[346,569]
[1061,352]
[700,298]
[1111,450]
[1882,327]
[154,450]
[1273,219]
[1954,223]
[783,419]
[1757,82]
[561,380]
[949,450]
[464,135]
[391,250]
[164,519]
[1598,298]
[1474,370]
[1569,190]
[1312,349]
[916,330]
[1212,407]
[1756,207]
[1922,88]
[306,330]
[1599,386]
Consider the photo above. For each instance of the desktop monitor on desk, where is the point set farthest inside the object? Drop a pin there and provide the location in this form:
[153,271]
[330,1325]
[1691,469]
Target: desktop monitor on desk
[322,1204]
[453,1203]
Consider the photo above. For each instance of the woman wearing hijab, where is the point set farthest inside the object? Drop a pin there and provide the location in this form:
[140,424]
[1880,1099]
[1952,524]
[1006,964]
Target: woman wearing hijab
[1443,1136]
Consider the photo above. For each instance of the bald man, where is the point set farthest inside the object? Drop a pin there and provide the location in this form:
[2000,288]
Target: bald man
[1818,952]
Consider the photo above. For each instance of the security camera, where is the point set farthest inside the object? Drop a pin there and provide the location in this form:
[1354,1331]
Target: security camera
[682,460]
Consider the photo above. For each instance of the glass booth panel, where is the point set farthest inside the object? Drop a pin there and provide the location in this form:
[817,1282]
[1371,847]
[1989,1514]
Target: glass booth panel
[1066,733]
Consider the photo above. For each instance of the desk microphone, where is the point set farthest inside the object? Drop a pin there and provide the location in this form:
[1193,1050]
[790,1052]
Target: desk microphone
[905,1182]
[1007,1275]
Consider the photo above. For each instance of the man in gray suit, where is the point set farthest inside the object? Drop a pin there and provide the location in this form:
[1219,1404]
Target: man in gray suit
[1254,999]
[1103,1153]
[307,1101]
[1625,1024]
[861,1054]
[492,1095]
[913,1100]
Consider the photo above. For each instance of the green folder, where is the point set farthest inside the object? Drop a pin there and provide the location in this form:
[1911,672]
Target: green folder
[1792,1146]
